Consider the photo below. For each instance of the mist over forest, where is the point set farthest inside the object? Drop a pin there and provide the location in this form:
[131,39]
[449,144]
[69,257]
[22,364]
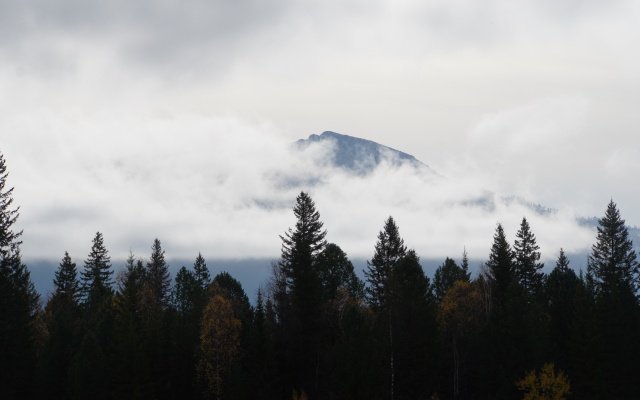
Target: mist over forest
[319,200]
[314,327]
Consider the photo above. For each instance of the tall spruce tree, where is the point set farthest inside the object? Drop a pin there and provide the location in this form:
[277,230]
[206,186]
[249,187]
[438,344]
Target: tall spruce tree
[527,256]
[613,262]
[388,251]
[66,281]
[18,304]
[62,316]
[96,276]
[301,246]
[500,267]
[300,249]
[201,272]
[561,287]
[613,267]
[157,274]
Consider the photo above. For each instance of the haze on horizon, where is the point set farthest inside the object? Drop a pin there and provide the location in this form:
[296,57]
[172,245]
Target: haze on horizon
[144,120]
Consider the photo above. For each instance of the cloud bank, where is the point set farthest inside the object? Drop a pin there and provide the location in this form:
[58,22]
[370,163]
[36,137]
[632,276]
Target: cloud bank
[225,188]
[171,120]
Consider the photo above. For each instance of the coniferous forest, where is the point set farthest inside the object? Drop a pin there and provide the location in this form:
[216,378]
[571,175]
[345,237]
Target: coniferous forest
[317,331]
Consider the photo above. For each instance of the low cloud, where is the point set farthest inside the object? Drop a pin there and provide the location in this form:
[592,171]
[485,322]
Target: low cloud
[225,187]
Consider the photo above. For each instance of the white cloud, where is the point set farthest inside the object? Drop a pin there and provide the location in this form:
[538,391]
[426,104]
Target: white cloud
[146,119]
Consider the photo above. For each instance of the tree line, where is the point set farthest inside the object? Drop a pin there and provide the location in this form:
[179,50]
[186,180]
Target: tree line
[317,331]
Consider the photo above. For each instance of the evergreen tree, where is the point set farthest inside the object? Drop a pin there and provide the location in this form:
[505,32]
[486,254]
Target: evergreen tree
[298,295]
[336,271]
[562,264]
[157,274]
[62,317]
[301,246]
[18,304]
[612,261]
[389,250]
[414,342]
[465,265]
[89,370]
[184,291]
[201,272]
[500,267]
[128,355]
[446,276]
[613,267]
[66,281]
[527,268]
[561,287]
[96,277]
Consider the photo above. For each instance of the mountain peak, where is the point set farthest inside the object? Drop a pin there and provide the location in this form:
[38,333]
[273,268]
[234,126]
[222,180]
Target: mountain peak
[361,156]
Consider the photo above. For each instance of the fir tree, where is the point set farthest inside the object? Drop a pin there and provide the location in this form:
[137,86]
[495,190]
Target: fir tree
[561,287]
[201,272]
[18,303]
[612,261]
[465,265]
[157,273]
[500,266]
[527,267]
[389,250]
[96,277]
[62,317]
[299,292]
[66,281]
[301,246]
[562,264]
[613,267]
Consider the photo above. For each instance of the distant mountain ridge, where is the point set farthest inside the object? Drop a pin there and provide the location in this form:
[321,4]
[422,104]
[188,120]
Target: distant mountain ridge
[362,156]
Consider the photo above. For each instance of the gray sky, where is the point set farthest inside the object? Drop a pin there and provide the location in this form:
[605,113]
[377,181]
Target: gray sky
[169,119]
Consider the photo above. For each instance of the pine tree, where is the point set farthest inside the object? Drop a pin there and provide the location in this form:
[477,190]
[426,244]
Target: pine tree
[614,268]
[413,328]
[96,277]
[562,264]
[298,292]
[62,315]
[201,272]
[301,246]
[18,304]
[527,267]
[389,250]
[66,279]
[561,287]
[184,291]
[157,274]
[465,265]
[500,266]
[612,261]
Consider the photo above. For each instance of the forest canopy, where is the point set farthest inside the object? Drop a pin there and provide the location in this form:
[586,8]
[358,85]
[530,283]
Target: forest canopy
[316,330]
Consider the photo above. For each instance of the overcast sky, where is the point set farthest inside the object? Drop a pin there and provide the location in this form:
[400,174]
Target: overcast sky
[170,119]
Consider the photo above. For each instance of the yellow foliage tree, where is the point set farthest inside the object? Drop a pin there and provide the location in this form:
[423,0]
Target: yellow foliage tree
[219,341]
[299,396]
[460,314]
[547,385]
